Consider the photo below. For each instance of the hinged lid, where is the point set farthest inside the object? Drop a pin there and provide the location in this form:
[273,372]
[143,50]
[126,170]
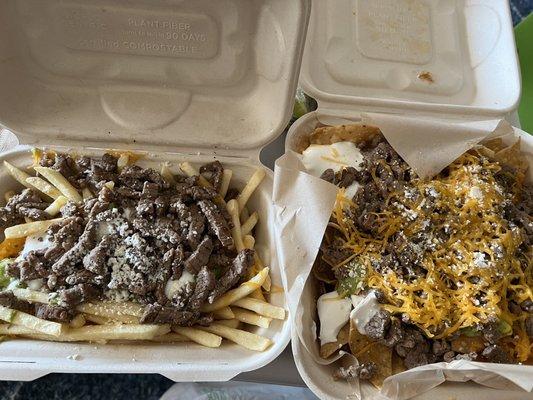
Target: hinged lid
[188,73]
[430,56]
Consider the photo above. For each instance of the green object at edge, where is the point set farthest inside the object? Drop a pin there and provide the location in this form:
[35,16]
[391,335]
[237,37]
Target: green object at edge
[524,44]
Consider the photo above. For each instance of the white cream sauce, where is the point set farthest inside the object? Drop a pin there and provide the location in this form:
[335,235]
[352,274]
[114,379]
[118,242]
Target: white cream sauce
[319,157]
[38,241]
[334,313]
[173,286]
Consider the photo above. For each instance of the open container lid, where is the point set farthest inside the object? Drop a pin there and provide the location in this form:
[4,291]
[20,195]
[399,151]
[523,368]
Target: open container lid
[417,56]
[150,73]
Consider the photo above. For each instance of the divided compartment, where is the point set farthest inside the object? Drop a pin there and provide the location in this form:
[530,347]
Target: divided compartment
[186,80]
[23,359]
[319,378]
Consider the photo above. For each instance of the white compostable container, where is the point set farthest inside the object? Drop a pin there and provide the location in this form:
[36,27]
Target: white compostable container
[182,80]
[447,60]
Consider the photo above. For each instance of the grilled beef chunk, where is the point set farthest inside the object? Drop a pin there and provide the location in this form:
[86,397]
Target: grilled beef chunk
[218,223]
[239,268]
[200,256]
[53,313]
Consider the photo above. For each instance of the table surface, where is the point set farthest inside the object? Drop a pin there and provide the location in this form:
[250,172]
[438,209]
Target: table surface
[151,387]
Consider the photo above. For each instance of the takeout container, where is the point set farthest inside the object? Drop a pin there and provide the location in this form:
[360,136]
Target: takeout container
[181,80]
[444,60]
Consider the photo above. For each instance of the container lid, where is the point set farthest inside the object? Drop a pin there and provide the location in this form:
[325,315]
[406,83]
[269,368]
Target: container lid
[188,73]
[431,56]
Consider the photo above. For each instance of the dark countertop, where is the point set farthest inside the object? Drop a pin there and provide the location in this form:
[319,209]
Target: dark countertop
[126,386]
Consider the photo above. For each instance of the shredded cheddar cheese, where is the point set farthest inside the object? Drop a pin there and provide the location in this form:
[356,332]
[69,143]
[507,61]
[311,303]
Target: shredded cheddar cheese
[471,273]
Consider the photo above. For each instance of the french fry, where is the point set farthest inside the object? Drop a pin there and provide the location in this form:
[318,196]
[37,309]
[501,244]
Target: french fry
[248,241]
[19,175]
[29,228]
[78,321]
[258,295]
[233,209]
[126,312]
[199,336]
[226,179]
[249,224]
[8,195]
[171,337]
[97,333]
[10,248]
[99,320]
[238,293]
[43,186]
[54,208]
[246,339]
[224,313]
[87,194]
[29,321]
[122,161]
[167,175]
[31,296]
[251,318]
[232,323]
[123,319]
[60,182]
[245,214]
[261,308]
[12,330]
[254,181]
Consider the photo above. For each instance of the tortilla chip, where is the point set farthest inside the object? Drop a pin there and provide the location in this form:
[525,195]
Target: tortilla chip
[513,157]
[323,271]
[494,144]
[397,364]
[359,134]
[358,342]
[10,248]
[366,350]
[466,344]
[326,350]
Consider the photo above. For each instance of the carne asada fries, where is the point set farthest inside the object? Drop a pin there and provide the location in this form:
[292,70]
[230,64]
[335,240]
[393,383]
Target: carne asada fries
[101,249]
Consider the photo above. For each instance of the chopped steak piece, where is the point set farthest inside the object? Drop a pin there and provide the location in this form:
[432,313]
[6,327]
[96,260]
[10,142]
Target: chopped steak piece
[239,268]
[196,226]
[158,314]
[200,256]
[496,354]
[7,299]
[217,222]
[205,282]
[78,294]
[213,173]
[378,325]
[491,331]
[82,276]
[26,204]
[364,371]
[201,193]
[53,313]
[70,209]
[205,320]
[68,261]
[328,175]
[95,261]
